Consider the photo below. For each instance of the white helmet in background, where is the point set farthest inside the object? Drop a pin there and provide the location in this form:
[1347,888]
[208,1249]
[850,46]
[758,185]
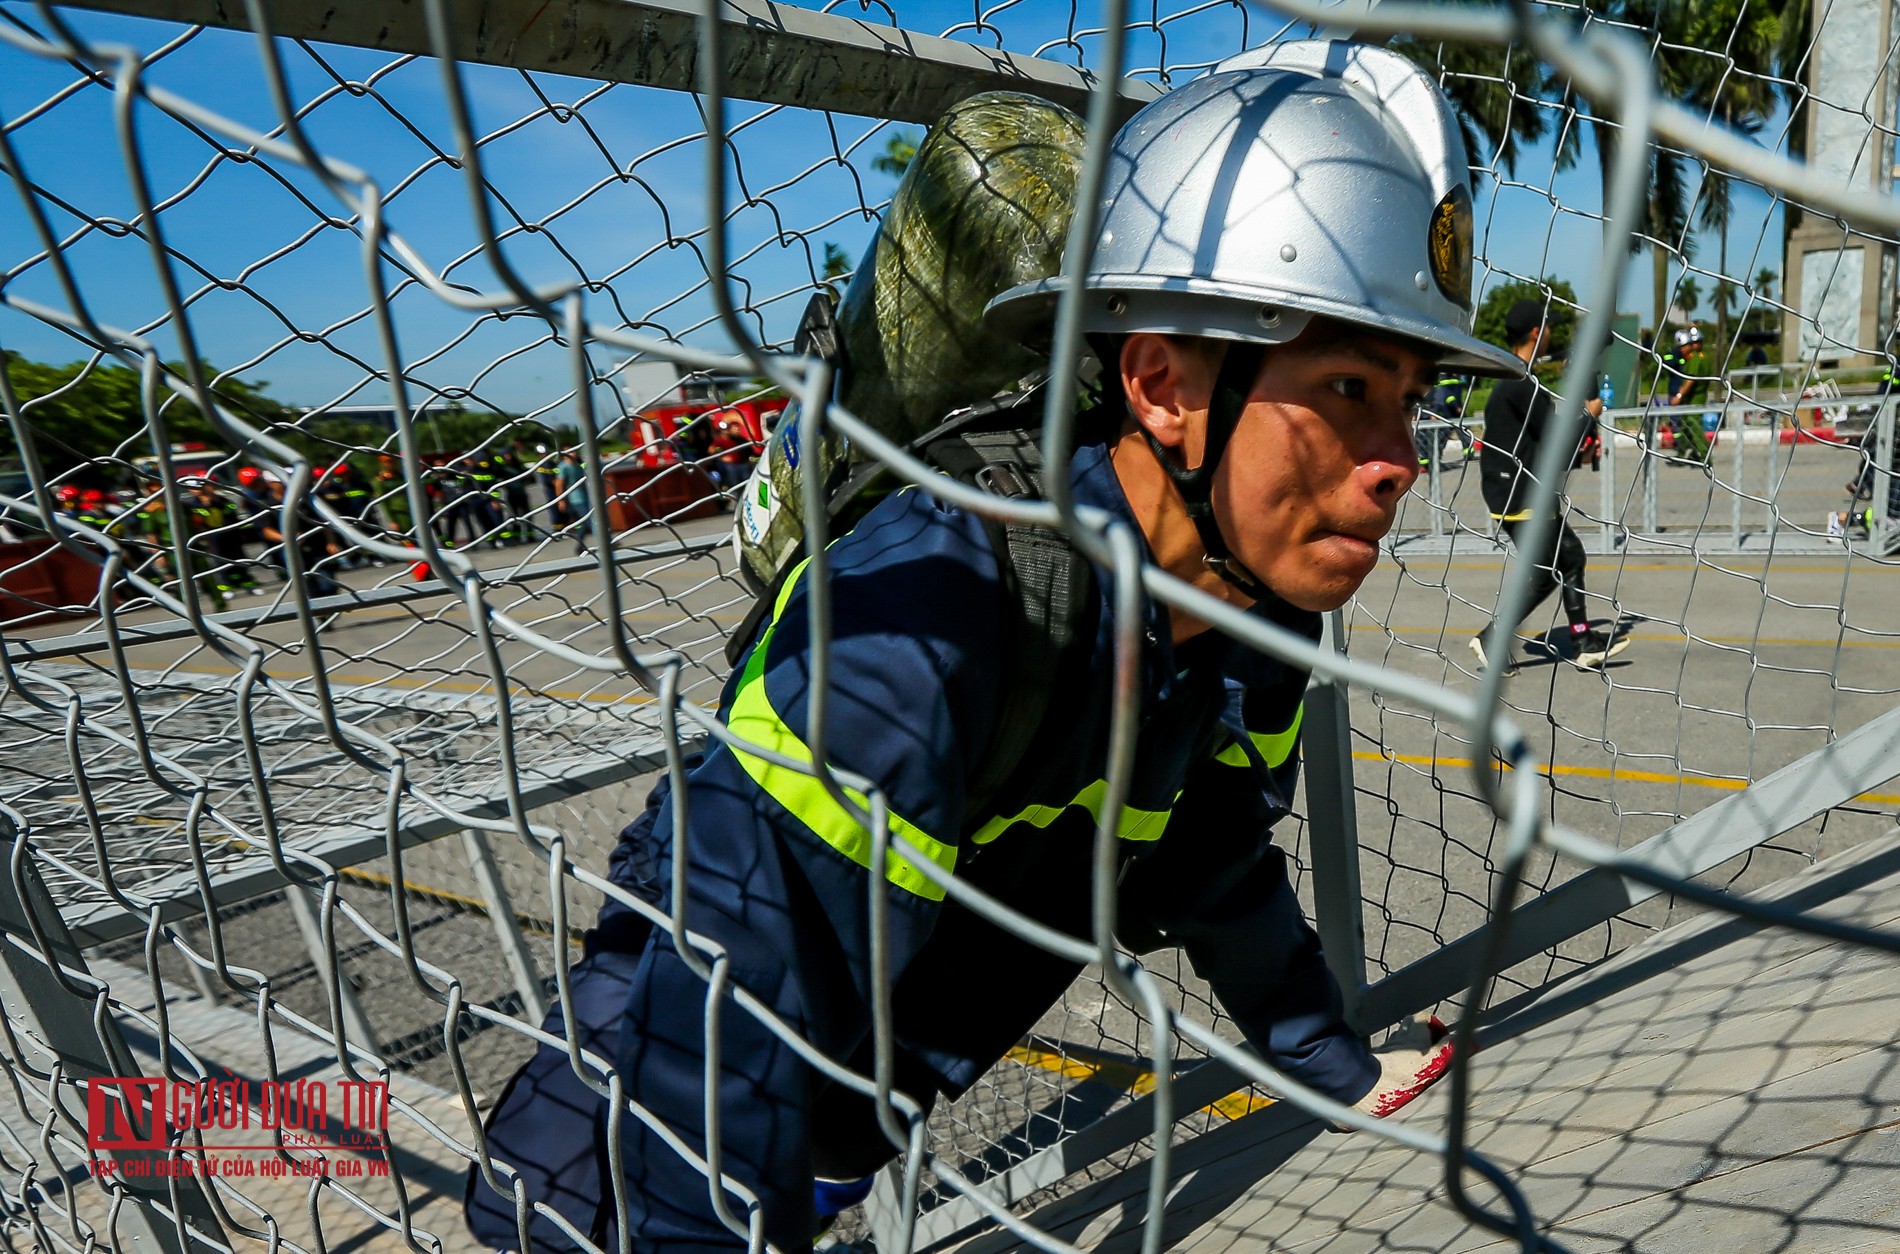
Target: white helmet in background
[1303,179]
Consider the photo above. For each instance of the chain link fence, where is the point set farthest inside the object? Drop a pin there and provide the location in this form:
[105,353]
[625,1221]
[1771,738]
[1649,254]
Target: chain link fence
[377,388]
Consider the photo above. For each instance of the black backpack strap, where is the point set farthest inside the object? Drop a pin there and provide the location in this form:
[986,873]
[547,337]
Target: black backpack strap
[1046,587]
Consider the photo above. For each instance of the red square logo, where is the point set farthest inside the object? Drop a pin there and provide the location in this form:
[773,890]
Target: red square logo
[125,1113]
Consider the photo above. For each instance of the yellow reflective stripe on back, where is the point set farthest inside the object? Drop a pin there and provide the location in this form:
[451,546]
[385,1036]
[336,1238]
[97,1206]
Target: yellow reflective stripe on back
[1520,516]
[753,718]
[1135,824]
[1275,747]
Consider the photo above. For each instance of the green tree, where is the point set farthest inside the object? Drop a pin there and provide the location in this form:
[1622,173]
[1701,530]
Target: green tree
[1560,297]
[1689,295]
[1722,301]
[454,429]
[1737,61]
[1494,92]
[837,261]
[899,151]
[1760,315]
[83,412]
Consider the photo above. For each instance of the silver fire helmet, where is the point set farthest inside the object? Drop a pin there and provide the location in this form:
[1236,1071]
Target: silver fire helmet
[1301,179]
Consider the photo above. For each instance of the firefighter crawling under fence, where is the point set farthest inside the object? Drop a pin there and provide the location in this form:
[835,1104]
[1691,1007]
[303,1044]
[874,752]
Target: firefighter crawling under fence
[1251,425]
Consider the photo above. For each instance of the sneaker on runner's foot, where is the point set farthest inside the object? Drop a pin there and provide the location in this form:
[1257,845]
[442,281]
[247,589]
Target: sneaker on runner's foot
[1594,648]
[1476,646]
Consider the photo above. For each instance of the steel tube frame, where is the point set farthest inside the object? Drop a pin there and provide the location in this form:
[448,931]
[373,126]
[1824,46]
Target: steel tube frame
[47,1010]
[1885,533]
[773,53]
[176,896]
[1332,825]
[22,649]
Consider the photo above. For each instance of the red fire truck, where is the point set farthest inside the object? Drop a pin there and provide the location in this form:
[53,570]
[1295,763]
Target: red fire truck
[731,433]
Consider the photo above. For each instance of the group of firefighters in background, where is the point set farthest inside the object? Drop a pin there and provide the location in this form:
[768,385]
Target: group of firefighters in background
[484,499]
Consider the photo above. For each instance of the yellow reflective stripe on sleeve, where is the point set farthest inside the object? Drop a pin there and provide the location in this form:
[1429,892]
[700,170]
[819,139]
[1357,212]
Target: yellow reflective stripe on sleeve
[1275,747]
[1135,824]
[1520,516]
[753,718]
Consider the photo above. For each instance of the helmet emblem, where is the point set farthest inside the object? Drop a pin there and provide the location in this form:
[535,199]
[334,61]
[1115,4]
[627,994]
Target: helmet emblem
[1448,241]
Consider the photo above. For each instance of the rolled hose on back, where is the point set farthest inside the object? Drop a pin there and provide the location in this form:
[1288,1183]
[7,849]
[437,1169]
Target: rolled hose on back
[984,206]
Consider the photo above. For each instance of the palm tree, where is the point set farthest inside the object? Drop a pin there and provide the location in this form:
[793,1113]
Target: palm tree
[1491,88]
[899,151]
[1689,294]
[1765,280]
[1734,60]
[1727,293]
[1718,203]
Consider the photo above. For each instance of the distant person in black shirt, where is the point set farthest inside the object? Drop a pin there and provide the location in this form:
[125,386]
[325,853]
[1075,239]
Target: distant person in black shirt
[1515,422]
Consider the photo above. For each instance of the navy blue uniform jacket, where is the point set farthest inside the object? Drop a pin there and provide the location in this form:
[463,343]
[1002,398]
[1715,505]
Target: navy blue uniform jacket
[778,871]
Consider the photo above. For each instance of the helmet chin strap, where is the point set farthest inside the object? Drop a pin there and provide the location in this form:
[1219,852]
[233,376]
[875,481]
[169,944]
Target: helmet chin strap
[1238,370]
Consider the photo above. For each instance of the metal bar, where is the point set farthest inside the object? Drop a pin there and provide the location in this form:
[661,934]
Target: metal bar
[1804,789]
[1606,490]
[201,980]
[1652,446]
[176,896]
[1832,878]
[23,650]
[1332,824]
[884,1210]
[1735,498]
[1768,471]
[1193,1089]
[772,53]
[45,1012]
[1774,475]
[514,946]
[356,1020]
[1883,534]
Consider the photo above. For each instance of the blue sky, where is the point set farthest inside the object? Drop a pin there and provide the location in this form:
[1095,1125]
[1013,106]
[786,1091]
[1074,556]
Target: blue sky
[614,189]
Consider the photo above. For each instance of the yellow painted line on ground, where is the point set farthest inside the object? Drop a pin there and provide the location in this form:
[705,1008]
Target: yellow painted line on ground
[1599,772]
[1458,633]
[442,896]
[1678,567]
[375,879]
[1079,1065]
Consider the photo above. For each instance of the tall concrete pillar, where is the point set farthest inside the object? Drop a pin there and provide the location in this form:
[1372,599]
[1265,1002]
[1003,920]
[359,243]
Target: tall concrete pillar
[1841,281]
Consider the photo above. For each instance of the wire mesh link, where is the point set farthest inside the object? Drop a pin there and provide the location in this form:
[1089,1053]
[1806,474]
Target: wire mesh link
[476,582]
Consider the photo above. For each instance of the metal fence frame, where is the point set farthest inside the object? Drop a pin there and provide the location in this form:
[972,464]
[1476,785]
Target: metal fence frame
[48,990]
[1755,523]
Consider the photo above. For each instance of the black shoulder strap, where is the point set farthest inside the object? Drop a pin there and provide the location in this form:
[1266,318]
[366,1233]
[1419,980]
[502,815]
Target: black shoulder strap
[1046,588]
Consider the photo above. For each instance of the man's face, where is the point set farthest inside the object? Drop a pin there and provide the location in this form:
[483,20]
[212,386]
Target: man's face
[1312,478]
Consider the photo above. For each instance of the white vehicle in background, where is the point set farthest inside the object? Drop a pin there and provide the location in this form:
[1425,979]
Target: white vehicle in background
[189,461]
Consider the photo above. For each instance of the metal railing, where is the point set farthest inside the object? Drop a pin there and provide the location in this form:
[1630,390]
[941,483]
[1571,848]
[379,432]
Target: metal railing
[399,773]
[1774,476]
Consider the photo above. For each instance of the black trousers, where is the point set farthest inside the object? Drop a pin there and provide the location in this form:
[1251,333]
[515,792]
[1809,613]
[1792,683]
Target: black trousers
[1560,566]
